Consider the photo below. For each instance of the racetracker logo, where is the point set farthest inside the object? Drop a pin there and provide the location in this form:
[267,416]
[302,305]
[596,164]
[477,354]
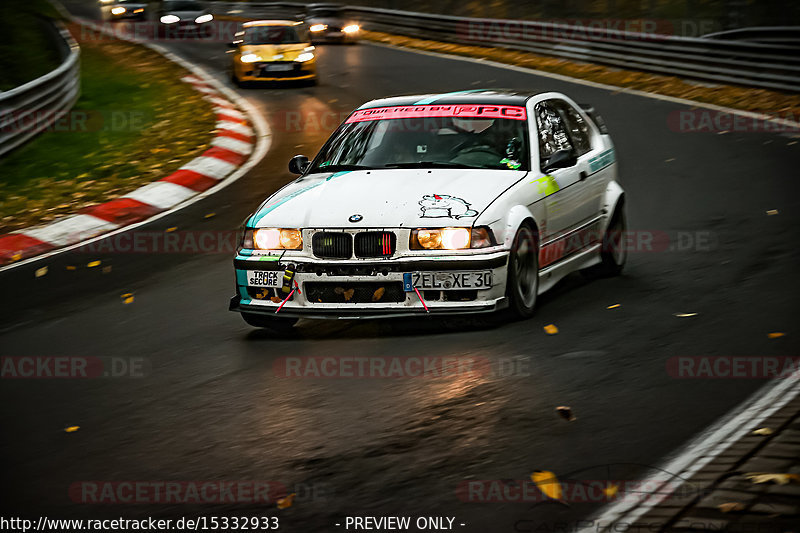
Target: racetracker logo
[66,367]
[176,492]
[733,367]
[170,242]
[711,121]
[571,491]
[216,31]
[379,367]
[74,121]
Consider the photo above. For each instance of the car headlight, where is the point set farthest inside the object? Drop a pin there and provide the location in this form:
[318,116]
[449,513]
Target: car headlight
[352,28]
[450,238]
[272,239]
[249,58]
[305,56]
[204,18]
[119,10]
[318,27]
[169,19]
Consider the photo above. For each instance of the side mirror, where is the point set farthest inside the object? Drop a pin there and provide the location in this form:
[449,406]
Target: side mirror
[560,159]
[298,164]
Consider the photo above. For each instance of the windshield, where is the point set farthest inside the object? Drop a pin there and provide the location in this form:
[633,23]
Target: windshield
[182,5]
[274,35]
[444,136]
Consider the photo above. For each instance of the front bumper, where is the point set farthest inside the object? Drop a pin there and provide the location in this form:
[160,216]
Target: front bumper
[254,72]
[311,273]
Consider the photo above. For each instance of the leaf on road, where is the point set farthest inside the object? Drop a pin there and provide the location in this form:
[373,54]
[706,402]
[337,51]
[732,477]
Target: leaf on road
[613,306]
[170,230]
[772,212]
[210,215]
[550,329]
[685,315]
[565,412]
[775,335]
[730,507]
[547,483]
[763,432]
[72,429]
[378,294]
[40,272]
[16,257]
[93,264]
[283,503]
[128,300]
[610,491]
[70,267]
[770,477]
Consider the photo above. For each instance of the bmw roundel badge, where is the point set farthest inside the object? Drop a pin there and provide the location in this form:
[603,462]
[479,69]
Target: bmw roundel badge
[355,218]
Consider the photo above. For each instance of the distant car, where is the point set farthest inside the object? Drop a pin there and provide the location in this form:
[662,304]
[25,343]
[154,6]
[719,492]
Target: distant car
[184,17]
[273,50]
[123,9]
[327,23]
[467,202]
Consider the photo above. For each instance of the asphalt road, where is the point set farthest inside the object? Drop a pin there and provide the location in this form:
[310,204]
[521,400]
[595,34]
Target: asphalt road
[212,407]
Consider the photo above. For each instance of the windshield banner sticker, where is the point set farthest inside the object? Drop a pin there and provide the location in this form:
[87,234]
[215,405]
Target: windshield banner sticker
[480,111]
[445,206]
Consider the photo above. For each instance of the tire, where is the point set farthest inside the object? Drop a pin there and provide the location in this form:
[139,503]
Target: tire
[522,282]
[283,326]
[613,254]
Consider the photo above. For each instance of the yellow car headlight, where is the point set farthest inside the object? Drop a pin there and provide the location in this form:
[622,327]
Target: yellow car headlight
[273,239]
[305,56]
[249,58]
[119,10]
[450,238]
[352,28]
[318,27]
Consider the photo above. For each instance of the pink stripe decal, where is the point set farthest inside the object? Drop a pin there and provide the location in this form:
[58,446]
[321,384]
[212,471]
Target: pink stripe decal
[461,111]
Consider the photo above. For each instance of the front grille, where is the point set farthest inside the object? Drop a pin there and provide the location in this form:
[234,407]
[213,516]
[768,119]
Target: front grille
[375,244]
[332,245]
[354,293]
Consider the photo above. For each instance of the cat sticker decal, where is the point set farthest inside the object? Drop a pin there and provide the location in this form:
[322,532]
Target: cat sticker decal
[445,206]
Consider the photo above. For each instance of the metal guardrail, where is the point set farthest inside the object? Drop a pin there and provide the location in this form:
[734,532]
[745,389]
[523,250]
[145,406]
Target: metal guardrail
[753,64]
[36,105]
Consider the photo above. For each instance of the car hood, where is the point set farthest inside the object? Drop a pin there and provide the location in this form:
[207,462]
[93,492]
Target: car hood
[385,198]
[267,52]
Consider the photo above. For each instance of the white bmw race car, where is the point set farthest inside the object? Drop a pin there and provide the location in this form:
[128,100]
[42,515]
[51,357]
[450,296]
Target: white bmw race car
[464,202]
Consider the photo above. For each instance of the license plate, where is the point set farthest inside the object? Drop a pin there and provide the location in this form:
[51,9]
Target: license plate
[278,67]
[449,280]
[265,278]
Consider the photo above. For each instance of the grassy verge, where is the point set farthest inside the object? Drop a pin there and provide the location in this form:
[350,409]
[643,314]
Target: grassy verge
[759,100]
[135,122]
[27,49]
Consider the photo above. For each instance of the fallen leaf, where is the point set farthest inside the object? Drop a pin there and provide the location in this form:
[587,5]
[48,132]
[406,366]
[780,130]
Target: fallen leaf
[16,257]
[93,264]
[550,329]
[378,294]
[40,272]
[348,294]
[547,483]
[685,315]
[769,477]
[170,230]
[730,507]
[126,295]
[775,335]
[772,212]
[70,267]
[763,431]
[128,300]
[72,429]
[283,503]
[210,215]
[565,412]
[613,306]
[611,490]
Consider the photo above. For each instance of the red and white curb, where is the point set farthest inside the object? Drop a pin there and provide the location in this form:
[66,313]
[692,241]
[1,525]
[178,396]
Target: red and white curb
[241,140]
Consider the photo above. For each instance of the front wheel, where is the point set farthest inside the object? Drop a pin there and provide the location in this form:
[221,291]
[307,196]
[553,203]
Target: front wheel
[522,285]
[280,325]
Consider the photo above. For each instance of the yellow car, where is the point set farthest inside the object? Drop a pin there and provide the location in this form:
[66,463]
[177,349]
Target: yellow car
[273,50]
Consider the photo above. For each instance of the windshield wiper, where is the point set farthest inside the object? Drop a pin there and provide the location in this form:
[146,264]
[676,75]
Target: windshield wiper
[337,168]
[427,164]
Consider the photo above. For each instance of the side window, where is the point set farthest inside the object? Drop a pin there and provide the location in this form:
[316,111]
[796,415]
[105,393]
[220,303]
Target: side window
[579,131]
[552,131]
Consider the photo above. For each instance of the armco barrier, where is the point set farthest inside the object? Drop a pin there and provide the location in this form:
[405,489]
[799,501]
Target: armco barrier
[33,107]
[769,65]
